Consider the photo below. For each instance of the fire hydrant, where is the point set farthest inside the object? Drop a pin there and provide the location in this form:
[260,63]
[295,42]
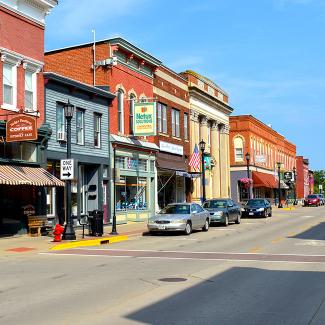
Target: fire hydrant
[58,231]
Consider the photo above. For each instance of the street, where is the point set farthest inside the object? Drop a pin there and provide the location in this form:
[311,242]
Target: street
[263,271]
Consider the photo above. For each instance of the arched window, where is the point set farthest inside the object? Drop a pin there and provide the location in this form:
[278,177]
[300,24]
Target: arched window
[132,101]
[120,110]
[239,149]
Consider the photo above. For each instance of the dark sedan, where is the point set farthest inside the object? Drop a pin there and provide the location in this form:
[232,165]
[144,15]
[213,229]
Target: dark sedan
[223,211]
[257,208]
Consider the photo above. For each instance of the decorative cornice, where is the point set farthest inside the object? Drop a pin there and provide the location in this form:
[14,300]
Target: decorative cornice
[194,116]
[224,129]
[14,57]
[203,120]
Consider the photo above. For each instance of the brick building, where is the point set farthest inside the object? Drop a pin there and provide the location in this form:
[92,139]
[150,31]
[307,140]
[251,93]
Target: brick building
[22,181]
[305,179]
[266,148]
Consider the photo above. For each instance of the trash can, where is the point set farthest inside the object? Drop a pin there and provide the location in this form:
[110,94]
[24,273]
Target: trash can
[95,221]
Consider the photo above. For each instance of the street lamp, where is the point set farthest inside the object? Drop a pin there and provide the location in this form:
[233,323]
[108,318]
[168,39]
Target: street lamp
[279,184]
[294,189]
[248,157]
[114,231]
[202,148]
[69,233]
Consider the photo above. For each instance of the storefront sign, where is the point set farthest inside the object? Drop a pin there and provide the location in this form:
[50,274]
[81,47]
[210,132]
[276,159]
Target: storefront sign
[21,128]
[207,162]
[288,176]
[144,121]
[67,169]
[171,148]
[29,210]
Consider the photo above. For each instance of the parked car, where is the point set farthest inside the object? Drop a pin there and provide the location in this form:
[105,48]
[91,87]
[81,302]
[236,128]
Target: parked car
[223,211]
[257,208]
[321,198]
[312,200]
[180,217]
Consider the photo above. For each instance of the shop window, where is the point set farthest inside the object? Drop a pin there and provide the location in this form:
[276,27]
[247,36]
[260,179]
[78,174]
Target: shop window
[50,201]
[243,192]
[120,162]
[131,193]
[185,126]
[97,130]
[80,121]
[25,151]
[30,90]
[175,123]
[142,165]
[239,149]
[120,110]
[162,118]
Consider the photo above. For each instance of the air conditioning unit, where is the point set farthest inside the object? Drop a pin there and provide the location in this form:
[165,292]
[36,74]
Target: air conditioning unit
[61,136]
[111,61]
[29,110]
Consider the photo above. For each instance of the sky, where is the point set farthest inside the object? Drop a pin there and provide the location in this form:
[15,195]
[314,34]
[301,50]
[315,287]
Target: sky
[268,55]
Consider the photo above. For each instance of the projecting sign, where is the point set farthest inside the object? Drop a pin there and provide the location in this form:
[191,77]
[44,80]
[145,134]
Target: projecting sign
[288,176]
[67,169]
[21,128]
[144,121]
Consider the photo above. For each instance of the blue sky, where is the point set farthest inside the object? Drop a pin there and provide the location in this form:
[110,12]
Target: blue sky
[267,54]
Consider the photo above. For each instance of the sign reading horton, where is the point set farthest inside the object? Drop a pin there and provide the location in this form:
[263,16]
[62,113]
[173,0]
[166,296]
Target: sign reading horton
[21,128]
[144,119]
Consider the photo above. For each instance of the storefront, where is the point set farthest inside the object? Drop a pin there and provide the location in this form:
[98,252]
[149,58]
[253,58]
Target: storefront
[135,179]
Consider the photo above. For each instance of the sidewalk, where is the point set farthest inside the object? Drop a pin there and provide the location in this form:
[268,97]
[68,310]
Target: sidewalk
[27,244]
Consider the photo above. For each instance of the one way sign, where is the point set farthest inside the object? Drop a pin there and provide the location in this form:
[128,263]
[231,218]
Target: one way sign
[67,169]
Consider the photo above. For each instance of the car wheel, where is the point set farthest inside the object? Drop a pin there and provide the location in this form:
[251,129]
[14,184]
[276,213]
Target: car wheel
[188,228]
[270,214]
[226,222]
[238,219]
[265,214]
[206,225]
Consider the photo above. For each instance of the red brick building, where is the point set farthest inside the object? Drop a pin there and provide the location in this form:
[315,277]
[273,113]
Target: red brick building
[22,92]
[304,177]
[266,148]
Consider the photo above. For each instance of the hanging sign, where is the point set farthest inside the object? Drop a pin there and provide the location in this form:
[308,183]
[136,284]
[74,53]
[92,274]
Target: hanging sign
[21,128]
[144,121]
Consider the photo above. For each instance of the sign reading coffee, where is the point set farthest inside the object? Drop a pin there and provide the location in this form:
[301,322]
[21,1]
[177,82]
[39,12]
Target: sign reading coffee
[144,122]
[21,128]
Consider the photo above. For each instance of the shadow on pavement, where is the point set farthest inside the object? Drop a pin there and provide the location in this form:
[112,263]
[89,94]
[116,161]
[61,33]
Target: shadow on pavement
[317,233]
[244,296]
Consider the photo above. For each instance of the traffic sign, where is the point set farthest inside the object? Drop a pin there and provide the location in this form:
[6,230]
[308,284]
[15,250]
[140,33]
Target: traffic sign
[67,169]
[288,176]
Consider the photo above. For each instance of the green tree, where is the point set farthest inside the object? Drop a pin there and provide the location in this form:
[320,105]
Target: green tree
[319,179]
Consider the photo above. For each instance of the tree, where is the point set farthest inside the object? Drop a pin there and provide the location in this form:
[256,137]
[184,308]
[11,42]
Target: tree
[319,179]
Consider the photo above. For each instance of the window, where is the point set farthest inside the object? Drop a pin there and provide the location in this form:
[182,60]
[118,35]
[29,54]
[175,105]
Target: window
[60,123]
[120,105]
[209,134]
[162,118]
[239,149]
[29,90]
[175,123]
[8,84]
[80,126]
[97,130]
[132,101]
[185,126]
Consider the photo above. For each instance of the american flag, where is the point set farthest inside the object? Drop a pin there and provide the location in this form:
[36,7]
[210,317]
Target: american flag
[195,158]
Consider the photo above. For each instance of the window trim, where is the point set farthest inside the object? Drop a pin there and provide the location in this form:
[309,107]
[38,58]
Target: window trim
[186,126]
[34,91]
[82,111]
[120,110]
[175,123]
[131,112]
[99,132]
[59,106]
[4,105]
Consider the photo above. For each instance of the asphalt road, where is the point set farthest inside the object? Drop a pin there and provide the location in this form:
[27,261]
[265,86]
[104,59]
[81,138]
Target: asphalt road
[263,271]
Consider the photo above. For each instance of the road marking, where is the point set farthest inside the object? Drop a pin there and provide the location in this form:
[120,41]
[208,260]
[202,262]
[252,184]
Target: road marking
[292,234]
[315,243]
[255,249]
[277,240]
[308,216]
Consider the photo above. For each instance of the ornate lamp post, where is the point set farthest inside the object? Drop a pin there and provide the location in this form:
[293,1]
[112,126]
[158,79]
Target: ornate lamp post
[248,157]
[279,184]
[69,233]
[202,148]
[294,189]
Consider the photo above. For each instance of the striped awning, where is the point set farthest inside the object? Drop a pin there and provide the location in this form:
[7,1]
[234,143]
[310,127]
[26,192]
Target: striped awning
[22,175]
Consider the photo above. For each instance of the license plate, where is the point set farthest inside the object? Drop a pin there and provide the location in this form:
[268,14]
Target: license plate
[161,227]
[251,213]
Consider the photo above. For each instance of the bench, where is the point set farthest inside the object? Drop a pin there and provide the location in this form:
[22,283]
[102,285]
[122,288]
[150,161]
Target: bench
[36,224]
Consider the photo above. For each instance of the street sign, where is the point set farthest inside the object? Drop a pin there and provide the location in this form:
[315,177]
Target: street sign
[288,176]
[320,186]
[67,169]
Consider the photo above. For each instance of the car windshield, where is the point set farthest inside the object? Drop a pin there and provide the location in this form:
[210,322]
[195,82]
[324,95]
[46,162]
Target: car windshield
[214,204]
[312,196]
[255,202]
[176,209]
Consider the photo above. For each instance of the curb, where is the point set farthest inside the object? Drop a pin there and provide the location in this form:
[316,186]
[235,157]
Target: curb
[289,209]
[89,242]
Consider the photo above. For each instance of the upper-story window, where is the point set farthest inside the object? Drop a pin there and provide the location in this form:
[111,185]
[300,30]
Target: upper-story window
[120,110]
[185,126]
[239,149]
[175,123]
[60,123]
[30,90]
[97,130]
[132,101]
[8,83]
[162,118]
[80,126]
[209,135]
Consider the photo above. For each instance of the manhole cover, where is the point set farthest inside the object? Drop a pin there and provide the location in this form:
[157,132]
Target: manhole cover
[172,280]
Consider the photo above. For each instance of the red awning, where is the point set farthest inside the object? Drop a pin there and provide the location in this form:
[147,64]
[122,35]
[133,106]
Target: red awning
[264,180]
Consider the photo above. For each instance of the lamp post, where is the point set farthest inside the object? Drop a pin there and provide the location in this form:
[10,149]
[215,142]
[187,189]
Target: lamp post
[294,189]
[202,148]
[114,231]
[279,184]
[69,233]
[248,157]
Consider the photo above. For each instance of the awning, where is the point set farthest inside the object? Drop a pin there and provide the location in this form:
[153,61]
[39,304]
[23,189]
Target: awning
[171,162]
[22,175]
[264,180]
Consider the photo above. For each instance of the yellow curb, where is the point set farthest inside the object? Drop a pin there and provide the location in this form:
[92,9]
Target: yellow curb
[89,242]
[289,209]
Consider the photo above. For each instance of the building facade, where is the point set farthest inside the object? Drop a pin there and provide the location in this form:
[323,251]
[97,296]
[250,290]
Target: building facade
[209,121]
[304,178]
[23,182]
[266,147]
[89,145]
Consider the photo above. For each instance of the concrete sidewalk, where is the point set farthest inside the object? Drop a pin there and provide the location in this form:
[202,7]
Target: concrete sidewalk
[25,244]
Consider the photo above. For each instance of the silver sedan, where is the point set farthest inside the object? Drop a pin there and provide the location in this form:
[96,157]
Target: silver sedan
[180,217]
